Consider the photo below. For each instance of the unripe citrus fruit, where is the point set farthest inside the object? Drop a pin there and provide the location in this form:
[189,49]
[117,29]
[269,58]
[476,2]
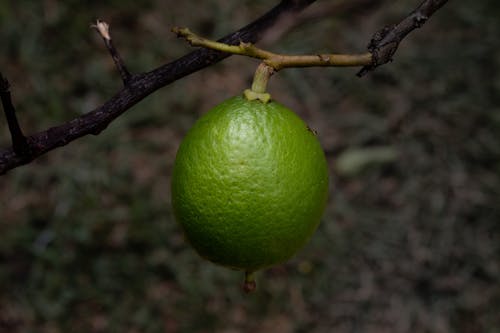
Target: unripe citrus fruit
[249,184]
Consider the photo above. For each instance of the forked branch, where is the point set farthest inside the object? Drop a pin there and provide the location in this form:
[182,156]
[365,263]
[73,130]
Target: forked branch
[275,60]
[385,42]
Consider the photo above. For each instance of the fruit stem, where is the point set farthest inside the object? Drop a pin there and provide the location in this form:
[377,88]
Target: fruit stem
[261,78]
[249,285]
[259,84]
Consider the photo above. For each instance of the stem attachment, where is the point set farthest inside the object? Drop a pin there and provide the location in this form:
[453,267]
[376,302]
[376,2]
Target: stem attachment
[259,84]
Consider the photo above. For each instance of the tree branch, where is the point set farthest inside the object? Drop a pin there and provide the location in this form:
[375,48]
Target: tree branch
[385,42]
[139,87]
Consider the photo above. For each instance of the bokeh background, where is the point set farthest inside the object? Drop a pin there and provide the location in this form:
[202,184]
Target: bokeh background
[410,241]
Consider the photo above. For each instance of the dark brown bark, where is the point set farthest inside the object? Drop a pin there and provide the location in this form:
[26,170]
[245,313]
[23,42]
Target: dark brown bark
[386,41]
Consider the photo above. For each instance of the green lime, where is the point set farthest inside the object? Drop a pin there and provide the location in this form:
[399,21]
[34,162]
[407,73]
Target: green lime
[250,184]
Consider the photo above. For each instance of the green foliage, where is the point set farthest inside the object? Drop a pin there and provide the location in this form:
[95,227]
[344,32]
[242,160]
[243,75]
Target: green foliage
[87,238]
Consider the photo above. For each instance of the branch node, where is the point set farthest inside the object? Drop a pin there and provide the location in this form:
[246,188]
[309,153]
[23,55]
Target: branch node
[324,58]
[420,19]
[385,42]
[182,32]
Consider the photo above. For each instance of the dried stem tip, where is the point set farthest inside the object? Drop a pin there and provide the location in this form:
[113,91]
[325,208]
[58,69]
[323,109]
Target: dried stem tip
[103,29]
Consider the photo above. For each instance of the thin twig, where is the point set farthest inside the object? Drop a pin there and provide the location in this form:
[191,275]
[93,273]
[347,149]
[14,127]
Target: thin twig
[385,42]
[19,142]
[103,29]
[275,60]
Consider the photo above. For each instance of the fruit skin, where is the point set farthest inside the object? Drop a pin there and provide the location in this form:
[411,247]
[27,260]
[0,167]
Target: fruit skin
[249,184]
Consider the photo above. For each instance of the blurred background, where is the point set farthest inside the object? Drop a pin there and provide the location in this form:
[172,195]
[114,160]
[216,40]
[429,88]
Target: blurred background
[410,241]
